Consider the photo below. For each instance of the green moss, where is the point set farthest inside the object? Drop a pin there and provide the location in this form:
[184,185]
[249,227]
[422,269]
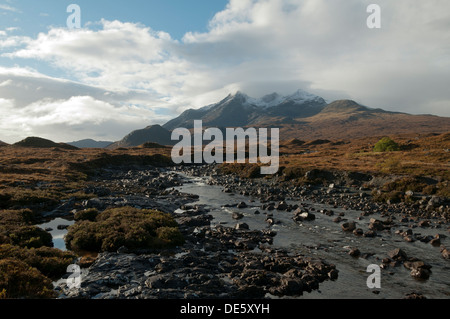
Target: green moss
[125,226]
[170,236]
[51,262]
[16,228]
[19,280]
[87,214]
[17,217]
[29,236]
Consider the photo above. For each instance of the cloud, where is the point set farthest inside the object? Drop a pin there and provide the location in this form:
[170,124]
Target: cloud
[38,105]
[6,7]
[327,46]
[69,120]
[322,46]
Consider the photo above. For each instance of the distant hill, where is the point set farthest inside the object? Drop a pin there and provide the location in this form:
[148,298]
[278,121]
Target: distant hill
[346,119]
[3,144]
[89,143]
[151,134]
[38,142]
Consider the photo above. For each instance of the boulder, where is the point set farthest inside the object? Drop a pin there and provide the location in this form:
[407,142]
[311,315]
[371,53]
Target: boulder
[242,205]
[236,215]
[354,252]
[348,226]
[300,216]
[376,224]
[242,226]
[445,253]
[397,254]
[420,273]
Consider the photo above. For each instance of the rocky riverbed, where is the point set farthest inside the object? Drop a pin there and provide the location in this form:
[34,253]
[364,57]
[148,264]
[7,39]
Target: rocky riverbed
[256,238]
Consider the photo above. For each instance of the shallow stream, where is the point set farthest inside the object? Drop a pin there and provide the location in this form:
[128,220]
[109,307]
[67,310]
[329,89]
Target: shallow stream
[326,239]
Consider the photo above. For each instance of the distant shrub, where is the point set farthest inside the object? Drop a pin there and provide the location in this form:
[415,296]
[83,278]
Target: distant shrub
[414,184]
[386,144]
[124,226]
[19,280]
[242,170]
[391,197]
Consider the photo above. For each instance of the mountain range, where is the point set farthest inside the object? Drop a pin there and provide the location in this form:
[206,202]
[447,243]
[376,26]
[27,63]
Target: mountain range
[153,134]
[90,143]
[300,115]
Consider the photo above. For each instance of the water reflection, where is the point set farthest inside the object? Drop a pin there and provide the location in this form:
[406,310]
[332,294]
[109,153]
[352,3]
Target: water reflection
[58,229]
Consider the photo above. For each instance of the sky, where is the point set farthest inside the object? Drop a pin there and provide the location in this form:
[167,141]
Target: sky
[136,63]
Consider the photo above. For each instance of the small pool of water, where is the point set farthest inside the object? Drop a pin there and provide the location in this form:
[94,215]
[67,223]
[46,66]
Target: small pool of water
[56,232]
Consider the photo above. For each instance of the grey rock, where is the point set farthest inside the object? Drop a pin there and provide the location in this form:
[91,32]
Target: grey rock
[242,226]
[397,254]
[237,215]
[348,226]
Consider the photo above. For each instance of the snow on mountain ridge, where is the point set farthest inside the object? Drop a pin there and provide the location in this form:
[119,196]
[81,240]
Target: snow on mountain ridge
[275,99]
[267,101]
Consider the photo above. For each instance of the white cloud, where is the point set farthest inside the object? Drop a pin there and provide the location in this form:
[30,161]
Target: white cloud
[323,46]
[72,119]
[6,7]
[38,105]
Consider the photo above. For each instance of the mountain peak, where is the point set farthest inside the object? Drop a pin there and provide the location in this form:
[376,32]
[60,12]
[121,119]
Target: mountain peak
[301,95]
[241,96]
[274,99]
[239,109]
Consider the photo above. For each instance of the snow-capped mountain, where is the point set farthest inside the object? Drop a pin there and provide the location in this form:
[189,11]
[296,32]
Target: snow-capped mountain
[300,115]
[240,109]
[275,99]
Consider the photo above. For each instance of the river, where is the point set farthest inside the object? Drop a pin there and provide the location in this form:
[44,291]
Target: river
[326,239]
